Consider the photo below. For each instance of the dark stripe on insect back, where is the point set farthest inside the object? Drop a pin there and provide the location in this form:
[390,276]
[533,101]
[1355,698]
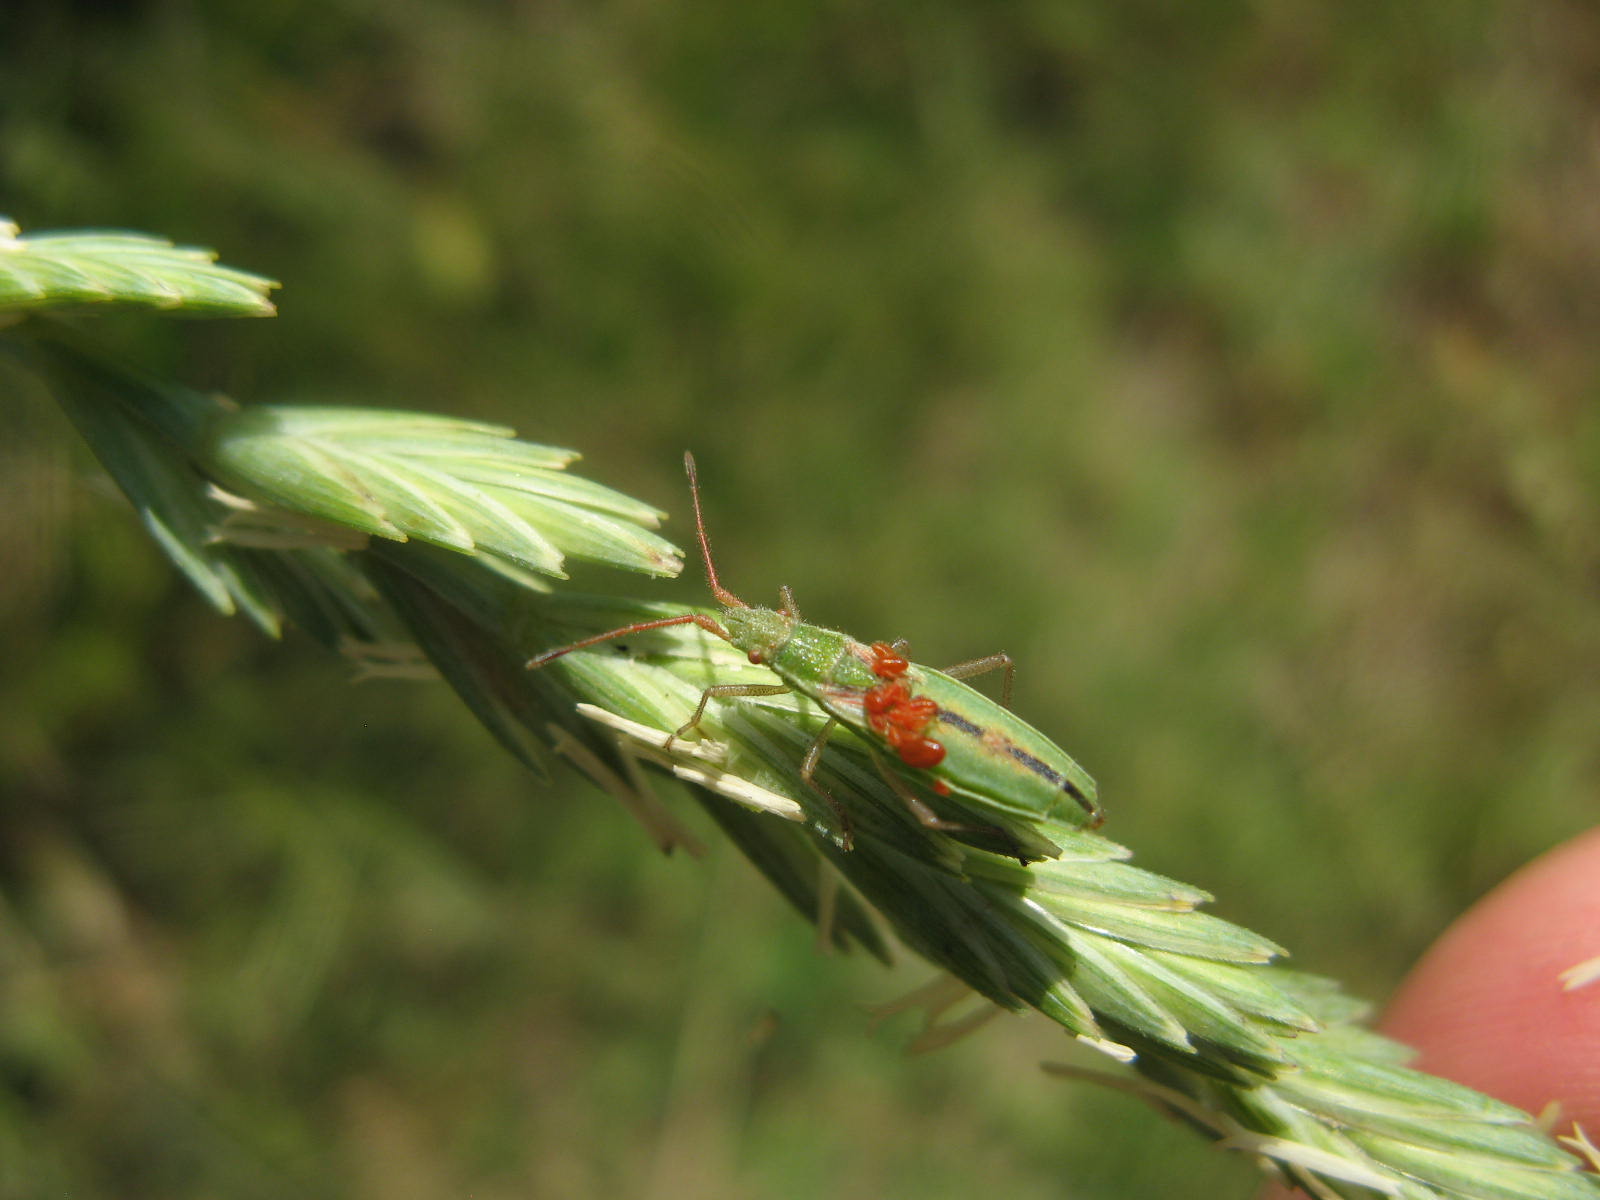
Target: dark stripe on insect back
[1037,766]
[960,722]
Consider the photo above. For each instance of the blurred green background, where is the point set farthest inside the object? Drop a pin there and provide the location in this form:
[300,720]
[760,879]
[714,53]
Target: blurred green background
[1230,365]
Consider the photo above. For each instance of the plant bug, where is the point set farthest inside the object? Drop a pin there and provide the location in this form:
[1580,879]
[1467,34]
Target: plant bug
[944,736]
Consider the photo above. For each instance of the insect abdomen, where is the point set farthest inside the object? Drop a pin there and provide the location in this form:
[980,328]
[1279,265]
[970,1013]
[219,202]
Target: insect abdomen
[993,754]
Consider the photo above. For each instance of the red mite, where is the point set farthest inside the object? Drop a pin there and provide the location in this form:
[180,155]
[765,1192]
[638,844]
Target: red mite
[889,664]
[897,716]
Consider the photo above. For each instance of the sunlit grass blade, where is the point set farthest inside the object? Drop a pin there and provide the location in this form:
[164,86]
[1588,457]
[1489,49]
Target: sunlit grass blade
[172,500]
[386,474]
[461,484]
[90,270]
[188,517]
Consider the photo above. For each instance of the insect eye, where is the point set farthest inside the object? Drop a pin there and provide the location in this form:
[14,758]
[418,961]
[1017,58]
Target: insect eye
[756,657]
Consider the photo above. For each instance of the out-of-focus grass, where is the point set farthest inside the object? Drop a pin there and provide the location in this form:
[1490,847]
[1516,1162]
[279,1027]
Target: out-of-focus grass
[1231,367]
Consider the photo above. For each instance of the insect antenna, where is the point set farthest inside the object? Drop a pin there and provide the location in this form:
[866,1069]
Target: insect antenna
[724,597]
[700,619]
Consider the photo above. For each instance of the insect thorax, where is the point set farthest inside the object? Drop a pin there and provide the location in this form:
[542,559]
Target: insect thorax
[824,657]
[803,654]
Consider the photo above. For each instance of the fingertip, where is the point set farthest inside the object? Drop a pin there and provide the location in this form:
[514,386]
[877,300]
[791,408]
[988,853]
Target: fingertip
[1492,1003]
[1502,1003]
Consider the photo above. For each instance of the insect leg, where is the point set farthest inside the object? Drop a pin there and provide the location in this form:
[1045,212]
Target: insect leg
[989,662]
[700,619]
[789,609]
[722,691]
[932,820]
[808,775]
[919,808]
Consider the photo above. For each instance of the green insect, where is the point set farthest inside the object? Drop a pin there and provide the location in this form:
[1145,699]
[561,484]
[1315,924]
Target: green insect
[945,736]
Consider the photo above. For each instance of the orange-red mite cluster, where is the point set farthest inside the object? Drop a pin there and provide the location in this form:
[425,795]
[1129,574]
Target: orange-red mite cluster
[900,718]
